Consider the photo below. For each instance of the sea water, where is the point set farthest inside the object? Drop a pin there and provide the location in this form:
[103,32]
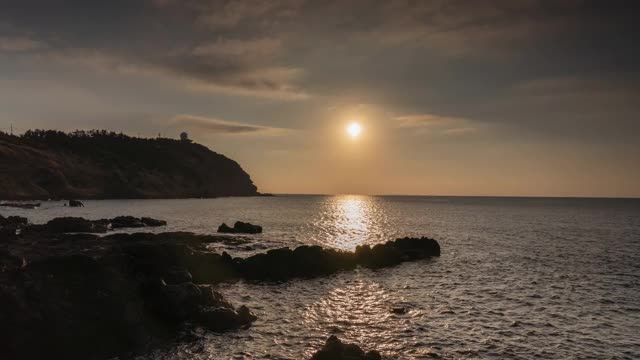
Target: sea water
[519,278]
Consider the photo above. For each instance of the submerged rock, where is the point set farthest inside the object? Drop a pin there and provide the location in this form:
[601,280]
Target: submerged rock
[240,228]
[334,349]
[399,310]
[82,225]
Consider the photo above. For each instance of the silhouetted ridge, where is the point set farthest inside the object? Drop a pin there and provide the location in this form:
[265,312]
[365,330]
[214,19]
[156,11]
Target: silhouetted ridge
[99,164]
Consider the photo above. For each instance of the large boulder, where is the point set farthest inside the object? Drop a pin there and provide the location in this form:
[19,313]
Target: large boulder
[240,228]
[334,349]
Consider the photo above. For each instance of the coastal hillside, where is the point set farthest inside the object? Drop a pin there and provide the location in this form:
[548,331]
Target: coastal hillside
[105,165]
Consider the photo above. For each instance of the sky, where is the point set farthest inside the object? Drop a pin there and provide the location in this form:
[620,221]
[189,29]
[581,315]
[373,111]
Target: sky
[495,97]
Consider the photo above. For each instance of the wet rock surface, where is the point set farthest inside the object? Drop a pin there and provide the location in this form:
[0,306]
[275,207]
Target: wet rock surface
[335,349]
[240,228]
[75,203]
[82,225]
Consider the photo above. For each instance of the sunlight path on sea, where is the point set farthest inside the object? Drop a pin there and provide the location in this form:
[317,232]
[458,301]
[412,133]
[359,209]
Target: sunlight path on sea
[350,220]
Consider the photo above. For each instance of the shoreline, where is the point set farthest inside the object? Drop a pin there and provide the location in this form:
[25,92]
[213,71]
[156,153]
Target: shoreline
[166,280]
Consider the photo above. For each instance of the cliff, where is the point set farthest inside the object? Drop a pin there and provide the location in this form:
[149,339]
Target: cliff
[105,165]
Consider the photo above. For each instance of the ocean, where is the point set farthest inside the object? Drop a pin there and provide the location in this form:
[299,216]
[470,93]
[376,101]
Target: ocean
[519,278]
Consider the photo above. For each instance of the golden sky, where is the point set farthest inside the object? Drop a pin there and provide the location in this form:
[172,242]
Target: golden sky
[454,98]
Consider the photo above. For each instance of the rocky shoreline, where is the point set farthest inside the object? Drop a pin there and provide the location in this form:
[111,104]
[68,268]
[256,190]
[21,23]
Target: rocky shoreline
[85,296]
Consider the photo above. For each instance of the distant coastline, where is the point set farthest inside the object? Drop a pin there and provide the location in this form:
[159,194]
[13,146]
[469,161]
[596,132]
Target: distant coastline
[97,164]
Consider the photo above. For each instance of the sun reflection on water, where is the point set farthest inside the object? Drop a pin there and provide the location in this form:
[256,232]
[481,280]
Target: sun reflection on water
[350,220]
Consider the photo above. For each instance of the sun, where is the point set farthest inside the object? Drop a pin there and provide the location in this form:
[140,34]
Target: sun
[354,129]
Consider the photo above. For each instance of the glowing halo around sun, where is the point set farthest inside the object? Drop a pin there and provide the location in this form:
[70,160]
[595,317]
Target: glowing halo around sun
[354,129]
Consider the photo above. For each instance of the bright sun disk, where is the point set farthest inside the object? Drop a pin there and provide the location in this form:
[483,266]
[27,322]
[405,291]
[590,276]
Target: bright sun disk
[354,129]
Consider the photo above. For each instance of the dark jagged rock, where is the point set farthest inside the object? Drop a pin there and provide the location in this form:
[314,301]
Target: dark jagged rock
[81,225]
[334,349]
[240,228]
[71,225]
[59,292]
[310,261]
[399,310]
[104,165]
[21,205]
[75,203]
[80,307]
[177,276]
[152,222]
[396,252]
[120,222]
[13,221]
[58,307]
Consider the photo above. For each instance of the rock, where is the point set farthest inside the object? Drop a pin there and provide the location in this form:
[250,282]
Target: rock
[60,292]
[334,349]
[75,203]
[311,261]
[72,225]
[21,205]
[224,228]
[212,298]
[120,222]
[152,222]
[13,221]
[219,319]
[395,252]
[399,310]
[246,316]
[240,228]
[134,222]
[81,225]
[58,307]
[177,276]
[81,307]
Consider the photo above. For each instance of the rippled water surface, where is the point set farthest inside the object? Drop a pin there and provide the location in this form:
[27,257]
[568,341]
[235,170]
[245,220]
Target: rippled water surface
[518,278]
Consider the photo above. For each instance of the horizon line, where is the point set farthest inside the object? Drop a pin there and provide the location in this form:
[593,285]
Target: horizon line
[467,196]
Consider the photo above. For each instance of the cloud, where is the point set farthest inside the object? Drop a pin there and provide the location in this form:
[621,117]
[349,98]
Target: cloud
[431,123]
[213,126]
[227,76]
[19,44]
[244,48]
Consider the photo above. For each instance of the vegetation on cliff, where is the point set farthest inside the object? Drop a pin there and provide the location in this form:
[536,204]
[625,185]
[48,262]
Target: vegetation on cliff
[43,164]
